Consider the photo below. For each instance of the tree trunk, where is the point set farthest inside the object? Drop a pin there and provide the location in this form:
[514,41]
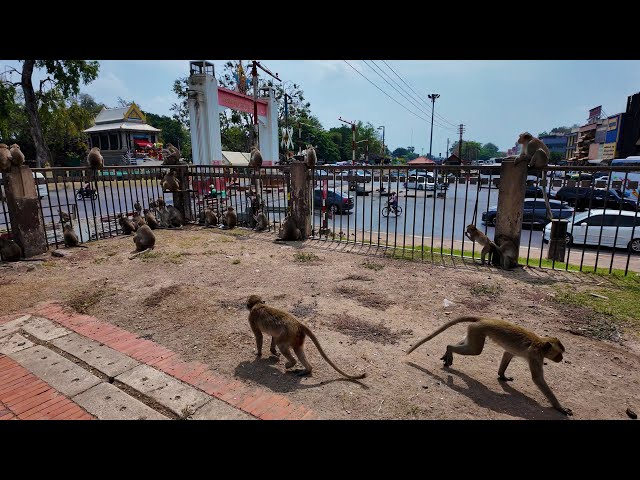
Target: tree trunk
[43,154]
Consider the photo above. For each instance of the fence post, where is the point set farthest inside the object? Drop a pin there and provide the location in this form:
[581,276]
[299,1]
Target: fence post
[301,198]
[511,194]
[24,211]
[181,198]
[557,240]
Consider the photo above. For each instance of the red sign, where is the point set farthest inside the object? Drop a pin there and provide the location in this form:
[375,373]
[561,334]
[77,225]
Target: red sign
[238,101]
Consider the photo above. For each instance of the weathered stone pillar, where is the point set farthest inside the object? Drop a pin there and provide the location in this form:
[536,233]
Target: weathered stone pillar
[301,198]
[510,203]
[557,239]
[27,227]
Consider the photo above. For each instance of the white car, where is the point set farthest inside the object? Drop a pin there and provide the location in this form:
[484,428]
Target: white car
[421,182]
[607,228]
[41,184]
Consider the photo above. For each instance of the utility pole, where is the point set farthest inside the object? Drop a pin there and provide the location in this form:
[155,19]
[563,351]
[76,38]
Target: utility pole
[433,97]
[461,127]
[353,139]
[447,152]
[384,151]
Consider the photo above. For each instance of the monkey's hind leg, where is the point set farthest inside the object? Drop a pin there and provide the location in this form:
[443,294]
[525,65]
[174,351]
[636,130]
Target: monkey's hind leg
[472,344]
[506,358]
[273,350]
[284,348]
[299,351]
[258,334]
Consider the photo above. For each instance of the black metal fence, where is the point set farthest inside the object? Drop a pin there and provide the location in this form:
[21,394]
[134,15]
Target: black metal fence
[351,206]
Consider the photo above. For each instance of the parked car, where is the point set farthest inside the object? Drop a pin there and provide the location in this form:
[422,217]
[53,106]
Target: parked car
[533,191]
[603,227]
[41,184]
[336,202]
[535,212]
[583,197]
[420,182]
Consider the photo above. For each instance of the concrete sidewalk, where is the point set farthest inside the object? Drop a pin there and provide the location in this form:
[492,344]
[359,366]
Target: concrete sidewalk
[55,364]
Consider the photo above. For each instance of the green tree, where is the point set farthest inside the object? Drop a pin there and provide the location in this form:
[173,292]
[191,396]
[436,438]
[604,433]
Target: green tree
[62,81]
[488,150]
[172,132]
[400,152]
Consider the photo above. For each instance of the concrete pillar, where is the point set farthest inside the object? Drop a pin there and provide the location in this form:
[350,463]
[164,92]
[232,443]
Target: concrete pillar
[301,198]
[557,239]
[510,203]
[24,211]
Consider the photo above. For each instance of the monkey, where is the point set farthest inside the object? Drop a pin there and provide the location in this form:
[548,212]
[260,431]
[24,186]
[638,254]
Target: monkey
[488,247]
[170,182]
[289,230]
[161,203]
[144,238]
[128,227]
[230,218]
[70,237]
[507,252]
[153,205]
[64,216]
[170,216]
[255,160]
[310,158]
[150,219]
[137,206]
[174,155]
[286,332]
[138,220]
[17,157]
[5,158]
[516,340]
[256,201]
[261,222]
[10,251]
[537,156]
[210,218]
[94,159]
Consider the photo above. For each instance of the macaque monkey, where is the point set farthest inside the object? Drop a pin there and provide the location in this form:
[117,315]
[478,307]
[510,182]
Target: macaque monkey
[289,230]
[5,158]
[170,217]
[138,220]
[64,216]
[128,227]
[286,332]
[210,218]
[174,155]
[230,218]
[261,222]
[17,157]
[507,251]
[255,160]
[70,237]
[137,206]
[10,251]
[144,239]
[161,203]
[536,154]
[310,158]
[153,205]
[150,219]
[170,182]
[516,340]
[476,235]
[94,158]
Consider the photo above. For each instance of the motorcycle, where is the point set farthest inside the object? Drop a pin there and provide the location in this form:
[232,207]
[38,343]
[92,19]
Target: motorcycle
[86,193]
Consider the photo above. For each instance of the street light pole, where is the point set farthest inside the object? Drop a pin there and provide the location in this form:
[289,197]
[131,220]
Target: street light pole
[384,153]
[433,97]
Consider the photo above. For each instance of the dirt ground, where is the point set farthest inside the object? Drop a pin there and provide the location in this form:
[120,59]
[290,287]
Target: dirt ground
[189,294]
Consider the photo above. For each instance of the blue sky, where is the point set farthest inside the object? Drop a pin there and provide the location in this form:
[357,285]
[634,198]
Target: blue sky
[494,99]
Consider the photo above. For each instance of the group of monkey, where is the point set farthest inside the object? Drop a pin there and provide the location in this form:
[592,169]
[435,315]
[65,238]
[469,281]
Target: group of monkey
[10,156]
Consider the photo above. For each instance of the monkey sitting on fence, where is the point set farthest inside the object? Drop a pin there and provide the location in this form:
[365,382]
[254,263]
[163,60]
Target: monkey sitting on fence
[289,231]
[17,157]
[310,157]
[516,341]
[94,159]
[287,333]
[5,158]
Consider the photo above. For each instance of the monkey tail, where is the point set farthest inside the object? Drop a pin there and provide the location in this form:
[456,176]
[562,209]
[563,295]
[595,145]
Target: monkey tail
[324,355]
[442,329]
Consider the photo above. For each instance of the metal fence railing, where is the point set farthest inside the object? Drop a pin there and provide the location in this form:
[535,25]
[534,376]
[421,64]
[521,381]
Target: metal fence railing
[350,206]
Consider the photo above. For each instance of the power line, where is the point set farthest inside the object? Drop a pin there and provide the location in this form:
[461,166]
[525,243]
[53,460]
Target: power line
[419,95]
[410,100]
[363,76]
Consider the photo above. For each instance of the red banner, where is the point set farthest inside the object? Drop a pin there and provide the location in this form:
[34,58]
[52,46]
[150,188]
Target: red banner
[238,101]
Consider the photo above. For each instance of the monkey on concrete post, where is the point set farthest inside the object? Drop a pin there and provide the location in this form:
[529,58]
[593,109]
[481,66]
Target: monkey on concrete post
[255,159]
[287,332]
[70,237]
[17,157]
[310,157]
[516,341]
[5,158]
[537,156]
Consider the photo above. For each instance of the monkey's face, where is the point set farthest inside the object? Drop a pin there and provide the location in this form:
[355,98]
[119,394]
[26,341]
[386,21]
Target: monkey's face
[554,350]
[471,229]
[254,300]
[524,137]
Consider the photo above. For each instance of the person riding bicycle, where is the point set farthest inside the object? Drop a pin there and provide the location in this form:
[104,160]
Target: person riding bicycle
[393,200]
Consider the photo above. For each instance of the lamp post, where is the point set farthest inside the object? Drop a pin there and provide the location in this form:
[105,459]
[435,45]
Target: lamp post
[384,153]
[433,97]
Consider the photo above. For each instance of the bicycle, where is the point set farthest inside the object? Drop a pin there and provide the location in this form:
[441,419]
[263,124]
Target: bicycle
[396,209]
